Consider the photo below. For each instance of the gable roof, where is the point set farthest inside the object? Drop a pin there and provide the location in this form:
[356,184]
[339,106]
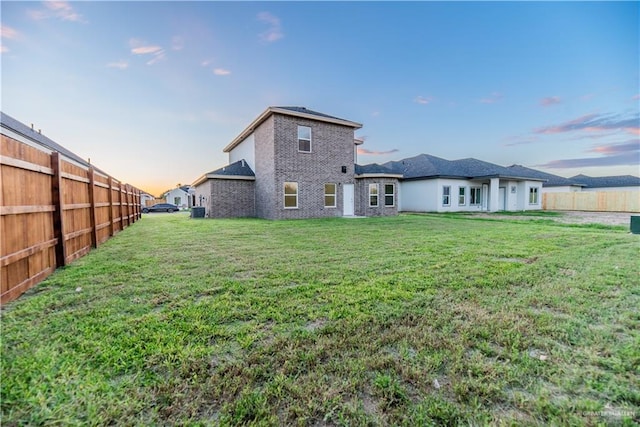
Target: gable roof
[551,179]
[237,170]
[301,112]
[427,166]
[607,181]
[8,122]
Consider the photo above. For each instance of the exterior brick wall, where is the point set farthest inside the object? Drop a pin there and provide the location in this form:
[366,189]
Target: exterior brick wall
[226,198]
[362,197]
[331,149]
[232,198]
[265,195]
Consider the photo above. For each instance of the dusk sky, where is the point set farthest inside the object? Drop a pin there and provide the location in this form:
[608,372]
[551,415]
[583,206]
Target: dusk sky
[153,91]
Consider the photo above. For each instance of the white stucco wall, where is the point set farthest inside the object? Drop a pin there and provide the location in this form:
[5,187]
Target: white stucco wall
[427,195]
[245,150]
[183,201]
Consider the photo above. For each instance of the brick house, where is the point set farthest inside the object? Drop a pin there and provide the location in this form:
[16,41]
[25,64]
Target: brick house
[291,162]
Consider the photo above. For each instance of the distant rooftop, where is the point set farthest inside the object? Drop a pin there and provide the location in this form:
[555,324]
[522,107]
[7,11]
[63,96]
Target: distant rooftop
[607,181]
[551,179]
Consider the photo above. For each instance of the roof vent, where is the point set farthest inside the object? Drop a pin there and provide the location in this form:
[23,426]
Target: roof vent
[242,162]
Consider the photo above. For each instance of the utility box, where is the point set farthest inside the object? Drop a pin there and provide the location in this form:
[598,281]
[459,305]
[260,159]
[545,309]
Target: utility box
[197,212]
[635,224]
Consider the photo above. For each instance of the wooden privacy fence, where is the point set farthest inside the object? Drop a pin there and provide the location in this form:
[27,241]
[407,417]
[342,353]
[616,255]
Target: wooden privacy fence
[595,201]
[52,211]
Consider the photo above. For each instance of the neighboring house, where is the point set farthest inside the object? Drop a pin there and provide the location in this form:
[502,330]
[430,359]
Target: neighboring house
[180,196]
[291,162]
[608,183]
[145,199]
[433,184]
[552,183]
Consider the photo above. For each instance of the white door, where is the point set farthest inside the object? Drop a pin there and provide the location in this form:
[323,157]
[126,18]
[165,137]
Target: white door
[347,200]
[502,198]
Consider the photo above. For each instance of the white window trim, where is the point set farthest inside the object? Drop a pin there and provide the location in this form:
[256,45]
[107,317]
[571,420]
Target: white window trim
[284,195]
[334,194]
[393,196]
[534,190]
[479,192]
[377,195]
[305,139]
[448,196]
[463,195]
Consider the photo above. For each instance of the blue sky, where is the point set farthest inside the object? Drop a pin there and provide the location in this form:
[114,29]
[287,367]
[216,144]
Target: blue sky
[152,91]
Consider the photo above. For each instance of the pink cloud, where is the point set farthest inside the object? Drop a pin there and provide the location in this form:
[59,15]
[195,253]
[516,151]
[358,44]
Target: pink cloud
[636,97]
[492,99]
[221,72]
[8,32]
[595,123]
[274,32]
[376,153]
[630,146]
[56,9]
[139,47]
[550,100]
[424,101]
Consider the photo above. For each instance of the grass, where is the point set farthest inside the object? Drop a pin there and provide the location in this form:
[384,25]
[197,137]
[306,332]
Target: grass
[410,320]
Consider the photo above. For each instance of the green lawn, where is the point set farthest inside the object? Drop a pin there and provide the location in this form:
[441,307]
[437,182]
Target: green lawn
[411,320]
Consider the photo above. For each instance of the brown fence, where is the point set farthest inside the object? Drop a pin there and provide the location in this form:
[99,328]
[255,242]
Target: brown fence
[52,211]
[596,201]
[151,202]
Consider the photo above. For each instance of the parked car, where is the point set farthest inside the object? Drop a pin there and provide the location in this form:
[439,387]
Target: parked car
[161,207]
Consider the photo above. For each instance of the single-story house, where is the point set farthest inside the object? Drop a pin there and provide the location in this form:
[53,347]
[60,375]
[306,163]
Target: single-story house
[433,184]
[180,196]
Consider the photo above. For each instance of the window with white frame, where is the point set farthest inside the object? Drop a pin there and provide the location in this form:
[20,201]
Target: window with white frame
[533,195]
[304,139]
[330,195]
[475,195]
[373,195]
[446,195]
[389,195]
[462,196]
[290,195]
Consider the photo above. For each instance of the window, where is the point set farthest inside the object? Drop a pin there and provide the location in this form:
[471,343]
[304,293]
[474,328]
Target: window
[389,195]
[446,195]
[462,196]
[290,195]
[475,195]
[304,139]
[330,195]
[373,195]
[533,195]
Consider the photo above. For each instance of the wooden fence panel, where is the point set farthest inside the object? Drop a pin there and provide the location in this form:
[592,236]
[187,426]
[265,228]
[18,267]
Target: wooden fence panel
[53,211]
[595,201]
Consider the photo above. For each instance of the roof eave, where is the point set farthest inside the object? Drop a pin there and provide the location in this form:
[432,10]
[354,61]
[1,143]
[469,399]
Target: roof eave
[275,110]
[378,175]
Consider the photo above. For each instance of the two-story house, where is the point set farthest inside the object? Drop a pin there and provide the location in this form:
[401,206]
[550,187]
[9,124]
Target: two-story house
[291,162]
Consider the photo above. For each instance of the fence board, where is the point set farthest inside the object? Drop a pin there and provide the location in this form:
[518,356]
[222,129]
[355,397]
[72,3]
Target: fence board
[53,211]
[595,201]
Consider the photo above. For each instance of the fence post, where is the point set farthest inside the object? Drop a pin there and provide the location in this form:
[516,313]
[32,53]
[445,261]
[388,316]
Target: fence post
[92,208]
[57,200]
[110,182]
[120,200]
